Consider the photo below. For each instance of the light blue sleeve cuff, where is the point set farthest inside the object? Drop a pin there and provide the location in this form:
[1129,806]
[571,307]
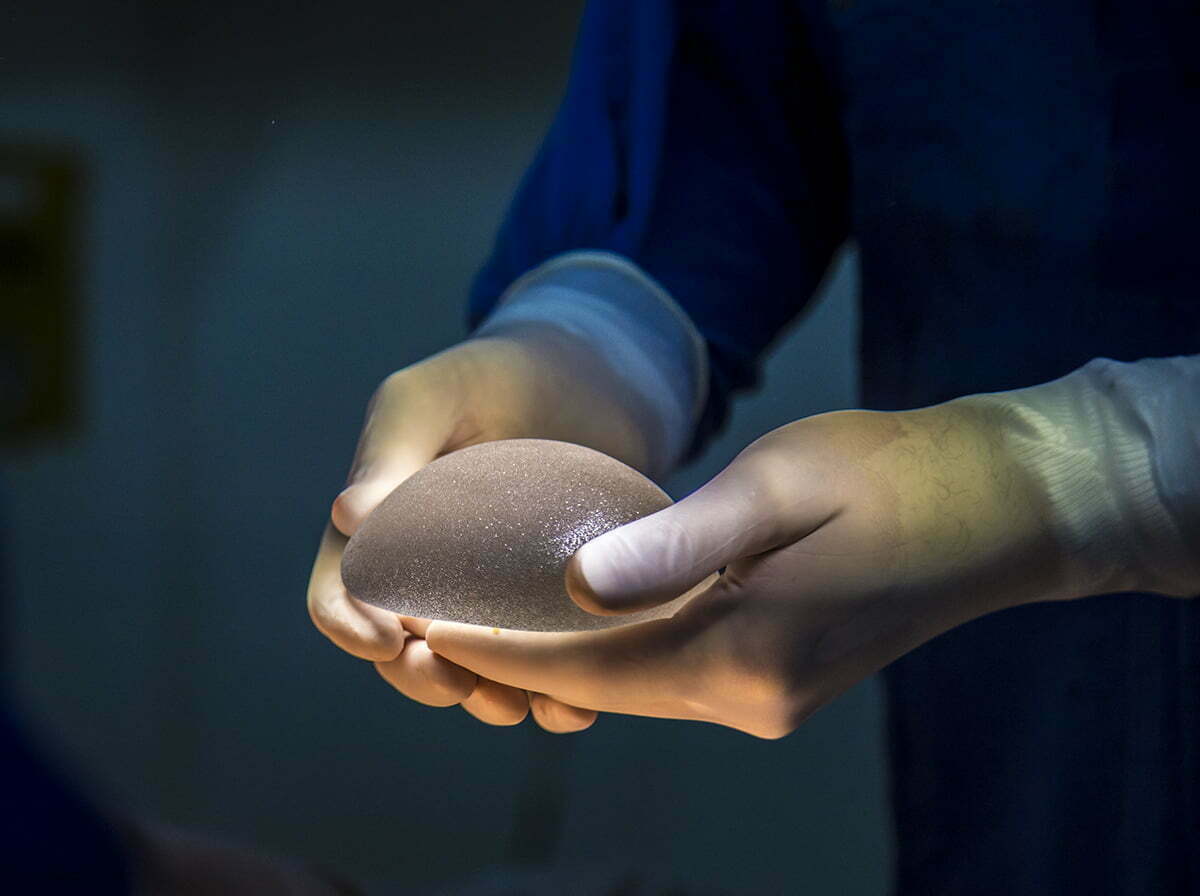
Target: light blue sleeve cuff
[636,329]
[1117,447]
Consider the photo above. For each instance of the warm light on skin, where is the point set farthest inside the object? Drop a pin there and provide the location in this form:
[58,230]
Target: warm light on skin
[483,534]
[846,539]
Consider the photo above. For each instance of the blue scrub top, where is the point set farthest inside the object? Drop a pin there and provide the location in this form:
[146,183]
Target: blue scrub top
[1022,180]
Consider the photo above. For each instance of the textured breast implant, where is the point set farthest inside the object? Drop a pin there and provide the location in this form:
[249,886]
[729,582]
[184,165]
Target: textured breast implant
[483,535]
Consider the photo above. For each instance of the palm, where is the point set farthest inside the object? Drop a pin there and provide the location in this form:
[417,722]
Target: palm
[477,392]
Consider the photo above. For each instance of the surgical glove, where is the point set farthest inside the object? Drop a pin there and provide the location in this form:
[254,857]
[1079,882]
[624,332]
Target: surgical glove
[834,545]
[528,372]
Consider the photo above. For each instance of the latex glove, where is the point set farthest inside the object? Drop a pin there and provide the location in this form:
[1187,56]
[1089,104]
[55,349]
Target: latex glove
[845,540]
[528,381]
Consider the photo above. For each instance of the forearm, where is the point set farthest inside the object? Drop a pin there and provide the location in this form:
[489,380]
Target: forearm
[1115,451]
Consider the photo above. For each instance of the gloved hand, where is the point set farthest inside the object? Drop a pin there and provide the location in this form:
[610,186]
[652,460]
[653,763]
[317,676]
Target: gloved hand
[524,381]
[841,541]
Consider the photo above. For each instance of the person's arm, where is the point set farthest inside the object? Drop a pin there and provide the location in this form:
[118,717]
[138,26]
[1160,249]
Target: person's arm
[835,544]
[701,144]
[695,154]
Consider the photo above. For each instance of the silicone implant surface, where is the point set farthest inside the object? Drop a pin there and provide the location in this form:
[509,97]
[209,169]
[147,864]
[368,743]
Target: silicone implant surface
[483,534]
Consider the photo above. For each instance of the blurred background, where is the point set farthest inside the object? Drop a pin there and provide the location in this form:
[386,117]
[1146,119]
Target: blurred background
[222,226]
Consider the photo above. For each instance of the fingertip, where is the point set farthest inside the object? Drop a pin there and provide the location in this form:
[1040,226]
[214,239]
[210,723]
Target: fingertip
[366,632]
[357,501]
[430,679]
[598,578]
[345,513]
[443,636]
[558,717]
[580,590]
[416,625]
[497,704]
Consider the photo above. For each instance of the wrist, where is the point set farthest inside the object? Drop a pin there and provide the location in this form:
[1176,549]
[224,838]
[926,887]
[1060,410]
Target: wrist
[626,337]
[546,384]
[1087,441]
[973,517]
[1053,498]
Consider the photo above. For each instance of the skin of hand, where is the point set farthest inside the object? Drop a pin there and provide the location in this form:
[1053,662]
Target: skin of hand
[825,550]
[521,382]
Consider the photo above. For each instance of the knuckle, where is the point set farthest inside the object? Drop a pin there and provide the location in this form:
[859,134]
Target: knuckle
[779,708]
[757,677]
[772,704]
[447,681]
[766,691]
[367,638]
[486,711]
[497,704]
[427,692]
[771,729]
[545,714]
[676,546]
[390,385]
[557,717]
[773,475]
[319,611]
[340,512]
[388,390]
[343,513]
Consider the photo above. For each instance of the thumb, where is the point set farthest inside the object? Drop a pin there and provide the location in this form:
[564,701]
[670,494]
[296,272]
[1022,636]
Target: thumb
[355,503]
[403,432]
[759,502]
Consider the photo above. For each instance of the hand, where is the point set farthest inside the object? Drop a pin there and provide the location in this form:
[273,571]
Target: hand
[527,382]
[843,541]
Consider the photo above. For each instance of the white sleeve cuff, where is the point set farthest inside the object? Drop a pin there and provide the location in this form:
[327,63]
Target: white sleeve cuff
[1117,448]
[636,329]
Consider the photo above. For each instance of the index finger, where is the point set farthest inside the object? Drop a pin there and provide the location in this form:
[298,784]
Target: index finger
[358,628]
[640,669]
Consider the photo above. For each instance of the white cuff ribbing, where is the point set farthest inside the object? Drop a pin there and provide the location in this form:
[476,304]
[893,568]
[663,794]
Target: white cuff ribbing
[636,330]
[1117,448]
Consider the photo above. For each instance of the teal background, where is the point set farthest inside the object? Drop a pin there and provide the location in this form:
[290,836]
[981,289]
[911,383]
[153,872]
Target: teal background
[284,204]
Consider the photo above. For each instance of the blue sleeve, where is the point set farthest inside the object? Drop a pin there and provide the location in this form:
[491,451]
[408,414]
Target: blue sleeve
[699,140]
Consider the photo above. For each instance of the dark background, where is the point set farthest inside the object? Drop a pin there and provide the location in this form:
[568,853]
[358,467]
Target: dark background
[279,205]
